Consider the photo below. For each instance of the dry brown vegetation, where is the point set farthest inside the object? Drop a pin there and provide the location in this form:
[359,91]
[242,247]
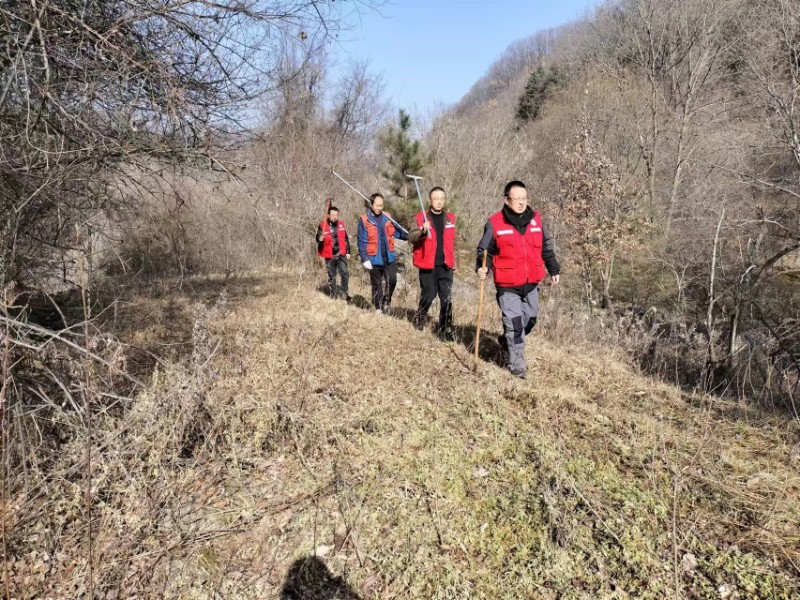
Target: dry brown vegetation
[183,415]
[693,107]
[291,425]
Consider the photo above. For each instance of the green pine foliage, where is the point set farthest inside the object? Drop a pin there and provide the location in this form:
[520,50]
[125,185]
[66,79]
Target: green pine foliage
[541,84]
[404,156]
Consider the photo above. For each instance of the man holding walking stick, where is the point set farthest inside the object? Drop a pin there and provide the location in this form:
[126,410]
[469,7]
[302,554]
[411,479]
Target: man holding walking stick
[434,255]
[521,254]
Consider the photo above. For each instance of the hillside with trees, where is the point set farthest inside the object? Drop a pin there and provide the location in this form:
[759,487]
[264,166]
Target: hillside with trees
[661,141]
[185,414]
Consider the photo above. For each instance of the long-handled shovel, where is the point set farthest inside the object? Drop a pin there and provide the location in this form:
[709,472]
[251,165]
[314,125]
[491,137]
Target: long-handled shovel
[421,205]
[347,183]
[480,316]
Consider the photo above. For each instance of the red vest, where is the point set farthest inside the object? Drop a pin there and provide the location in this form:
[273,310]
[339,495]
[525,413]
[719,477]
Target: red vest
[519,257]
[327,241]
[425,249]
[372,234]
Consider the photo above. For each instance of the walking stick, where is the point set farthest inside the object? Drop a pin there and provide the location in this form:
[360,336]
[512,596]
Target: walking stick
[480,315]
[328,202]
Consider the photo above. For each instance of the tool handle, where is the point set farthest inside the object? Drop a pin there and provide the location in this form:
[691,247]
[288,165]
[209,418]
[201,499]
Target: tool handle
[344,181]
[480,314]
[422,207]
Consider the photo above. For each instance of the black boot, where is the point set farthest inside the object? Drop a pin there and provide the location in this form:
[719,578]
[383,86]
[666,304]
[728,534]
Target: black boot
[446,333]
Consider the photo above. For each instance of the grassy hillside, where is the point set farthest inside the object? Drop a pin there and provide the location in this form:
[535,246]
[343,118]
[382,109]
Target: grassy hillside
[298,447]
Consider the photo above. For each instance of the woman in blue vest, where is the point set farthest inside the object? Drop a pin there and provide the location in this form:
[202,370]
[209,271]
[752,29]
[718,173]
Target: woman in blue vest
[376,235]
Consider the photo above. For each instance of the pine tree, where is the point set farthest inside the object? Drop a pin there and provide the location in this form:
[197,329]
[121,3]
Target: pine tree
[540,84]
[403,157]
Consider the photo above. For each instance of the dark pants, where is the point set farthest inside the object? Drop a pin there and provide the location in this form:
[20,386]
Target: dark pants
[436,282]
[380,273]
[334,265]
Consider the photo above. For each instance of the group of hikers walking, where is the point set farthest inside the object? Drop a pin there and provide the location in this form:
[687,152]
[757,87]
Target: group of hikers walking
[519,254]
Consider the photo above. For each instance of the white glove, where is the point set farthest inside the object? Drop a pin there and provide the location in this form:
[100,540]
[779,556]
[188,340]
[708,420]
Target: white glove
[368,265]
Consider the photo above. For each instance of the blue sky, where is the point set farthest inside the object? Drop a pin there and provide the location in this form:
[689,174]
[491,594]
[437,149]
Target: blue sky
[433,51]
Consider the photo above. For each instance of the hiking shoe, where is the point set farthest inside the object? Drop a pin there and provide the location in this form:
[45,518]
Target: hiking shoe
[348,299]
[378,311]
[418,322]
[521,373]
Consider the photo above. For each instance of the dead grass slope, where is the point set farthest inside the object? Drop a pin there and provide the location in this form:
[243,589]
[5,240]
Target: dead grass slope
[300,426]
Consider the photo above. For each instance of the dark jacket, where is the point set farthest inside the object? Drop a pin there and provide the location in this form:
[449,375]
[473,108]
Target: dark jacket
[334,238]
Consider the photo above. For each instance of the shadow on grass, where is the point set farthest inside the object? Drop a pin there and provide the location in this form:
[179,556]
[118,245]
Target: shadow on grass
[364,303]
[489,351]
[403,314]
[361,302]
[310,579]
[324,288]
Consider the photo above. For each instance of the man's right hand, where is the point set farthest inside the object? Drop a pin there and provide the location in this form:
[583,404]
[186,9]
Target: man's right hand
[321,238]
[482,272]
[368,265]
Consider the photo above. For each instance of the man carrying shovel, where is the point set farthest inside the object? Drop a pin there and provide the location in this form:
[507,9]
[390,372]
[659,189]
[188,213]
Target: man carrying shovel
[521,255]
[434,255]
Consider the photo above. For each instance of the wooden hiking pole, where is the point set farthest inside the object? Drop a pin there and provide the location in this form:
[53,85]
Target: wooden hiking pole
[321,261]
[480,315]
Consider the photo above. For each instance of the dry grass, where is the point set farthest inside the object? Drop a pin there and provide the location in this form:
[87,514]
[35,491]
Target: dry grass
[298,425]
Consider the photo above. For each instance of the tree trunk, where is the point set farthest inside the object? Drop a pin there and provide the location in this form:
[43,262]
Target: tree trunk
[605,276]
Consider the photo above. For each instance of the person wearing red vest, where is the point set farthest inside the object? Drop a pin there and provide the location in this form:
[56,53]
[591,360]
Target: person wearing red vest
[334,246]
[520,255]
[377,231]
[434,255]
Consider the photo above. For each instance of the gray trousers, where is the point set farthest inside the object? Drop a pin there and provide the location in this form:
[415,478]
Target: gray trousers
[519,318]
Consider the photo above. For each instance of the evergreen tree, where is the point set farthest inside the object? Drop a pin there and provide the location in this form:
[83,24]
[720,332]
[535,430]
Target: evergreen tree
[540,84]
[403,157]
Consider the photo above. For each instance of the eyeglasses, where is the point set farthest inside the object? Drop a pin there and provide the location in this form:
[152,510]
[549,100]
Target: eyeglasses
[520,199]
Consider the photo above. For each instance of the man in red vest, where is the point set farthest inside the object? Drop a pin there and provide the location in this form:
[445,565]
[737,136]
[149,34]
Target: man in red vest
[334,246]
[520,256]
[434,255]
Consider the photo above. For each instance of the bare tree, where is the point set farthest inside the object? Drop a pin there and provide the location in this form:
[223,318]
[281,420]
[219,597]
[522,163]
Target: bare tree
[86,90]
[358,110]
[601,217]
[677,47]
